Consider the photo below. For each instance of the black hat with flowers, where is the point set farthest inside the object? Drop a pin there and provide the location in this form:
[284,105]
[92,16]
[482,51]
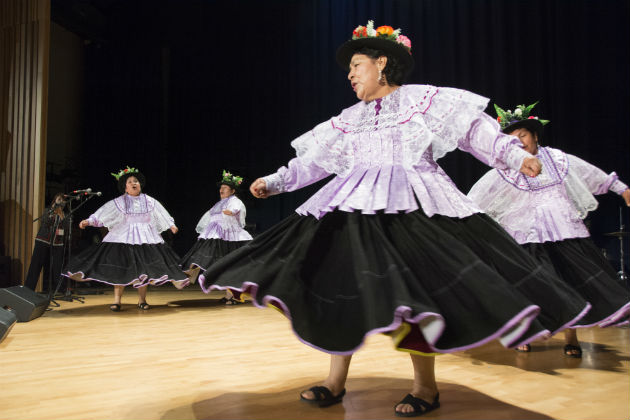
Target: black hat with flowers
[521,117]
[125,173]
[230,180]
[383,38]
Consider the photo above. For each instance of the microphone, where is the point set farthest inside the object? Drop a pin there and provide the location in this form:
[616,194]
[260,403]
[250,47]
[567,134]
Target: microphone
[97,193]
[87,190]
[71,197]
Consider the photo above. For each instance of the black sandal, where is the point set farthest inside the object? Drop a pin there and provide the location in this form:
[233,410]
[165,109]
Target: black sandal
[144,306]
[573,351]
[527,349]
[419,405]
[323,396]
[115,307]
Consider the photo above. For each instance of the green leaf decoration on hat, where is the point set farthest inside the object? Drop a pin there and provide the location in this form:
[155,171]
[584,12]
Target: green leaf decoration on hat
[520,113]
[232,179]
[124,171]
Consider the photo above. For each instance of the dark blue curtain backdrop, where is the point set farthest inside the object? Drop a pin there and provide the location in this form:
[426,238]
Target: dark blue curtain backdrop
[183,89]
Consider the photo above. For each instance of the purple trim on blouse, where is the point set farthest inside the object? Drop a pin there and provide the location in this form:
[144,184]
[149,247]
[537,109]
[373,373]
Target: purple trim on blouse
[377,108]
[617,186]
[391,166]
[125,204]
[555,173]
[437,90]
[549,209]
[133,220]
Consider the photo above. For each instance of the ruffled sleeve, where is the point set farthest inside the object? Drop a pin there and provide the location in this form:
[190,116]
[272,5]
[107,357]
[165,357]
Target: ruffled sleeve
[324,147]
[160,218]
[238,210]
[496,197]
[584,180]
[596,180]
[449,115]
[203,222]
[242,212]
[108,215]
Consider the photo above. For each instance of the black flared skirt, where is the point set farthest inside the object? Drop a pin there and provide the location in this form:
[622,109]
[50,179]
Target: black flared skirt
[207,251]
[435,284]
[584,268]
[121,264]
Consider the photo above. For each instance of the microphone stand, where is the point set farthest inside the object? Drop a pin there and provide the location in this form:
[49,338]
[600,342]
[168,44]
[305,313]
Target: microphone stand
[68,296]
[621,275]
[47,213]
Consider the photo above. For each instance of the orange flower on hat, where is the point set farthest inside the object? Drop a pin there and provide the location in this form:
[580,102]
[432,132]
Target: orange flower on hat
[385,30]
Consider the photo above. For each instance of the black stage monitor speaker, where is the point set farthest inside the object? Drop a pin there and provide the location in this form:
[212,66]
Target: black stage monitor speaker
[7,321]
[25,303]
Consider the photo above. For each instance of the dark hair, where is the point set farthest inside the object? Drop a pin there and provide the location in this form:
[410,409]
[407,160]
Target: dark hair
[234,188]
[54,200]
[122,181]
[530,129]
[394,70]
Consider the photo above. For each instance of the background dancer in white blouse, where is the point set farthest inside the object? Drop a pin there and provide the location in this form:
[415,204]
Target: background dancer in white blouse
[545,215]
[133,252]
[221,231]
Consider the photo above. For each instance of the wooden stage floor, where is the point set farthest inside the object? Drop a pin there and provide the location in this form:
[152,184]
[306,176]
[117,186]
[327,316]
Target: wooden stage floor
[191,358]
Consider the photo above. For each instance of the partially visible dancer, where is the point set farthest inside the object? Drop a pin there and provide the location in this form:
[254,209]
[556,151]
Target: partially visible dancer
[389,244]
[544,215]
[133,253]
[50,238]
[221,231]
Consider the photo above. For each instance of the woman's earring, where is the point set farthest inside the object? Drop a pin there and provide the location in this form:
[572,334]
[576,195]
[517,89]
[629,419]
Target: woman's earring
[380,76]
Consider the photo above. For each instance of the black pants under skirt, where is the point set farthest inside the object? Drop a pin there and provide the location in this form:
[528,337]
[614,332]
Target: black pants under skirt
[41,258]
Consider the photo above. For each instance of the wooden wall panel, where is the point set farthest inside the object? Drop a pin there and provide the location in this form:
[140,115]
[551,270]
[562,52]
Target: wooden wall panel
[24,54]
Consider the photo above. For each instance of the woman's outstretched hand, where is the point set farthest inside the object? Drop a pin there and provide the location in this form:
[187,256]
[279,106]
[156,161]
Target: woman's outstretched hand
[531,167]
[259,188]
[626,196]
[83,224]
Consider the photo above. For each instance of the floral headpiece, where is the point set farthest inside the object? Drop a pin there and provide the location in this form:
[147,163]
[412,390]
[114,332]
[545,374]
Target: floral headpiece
[125,171]
[230,179]
[382,32]
[521,113]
